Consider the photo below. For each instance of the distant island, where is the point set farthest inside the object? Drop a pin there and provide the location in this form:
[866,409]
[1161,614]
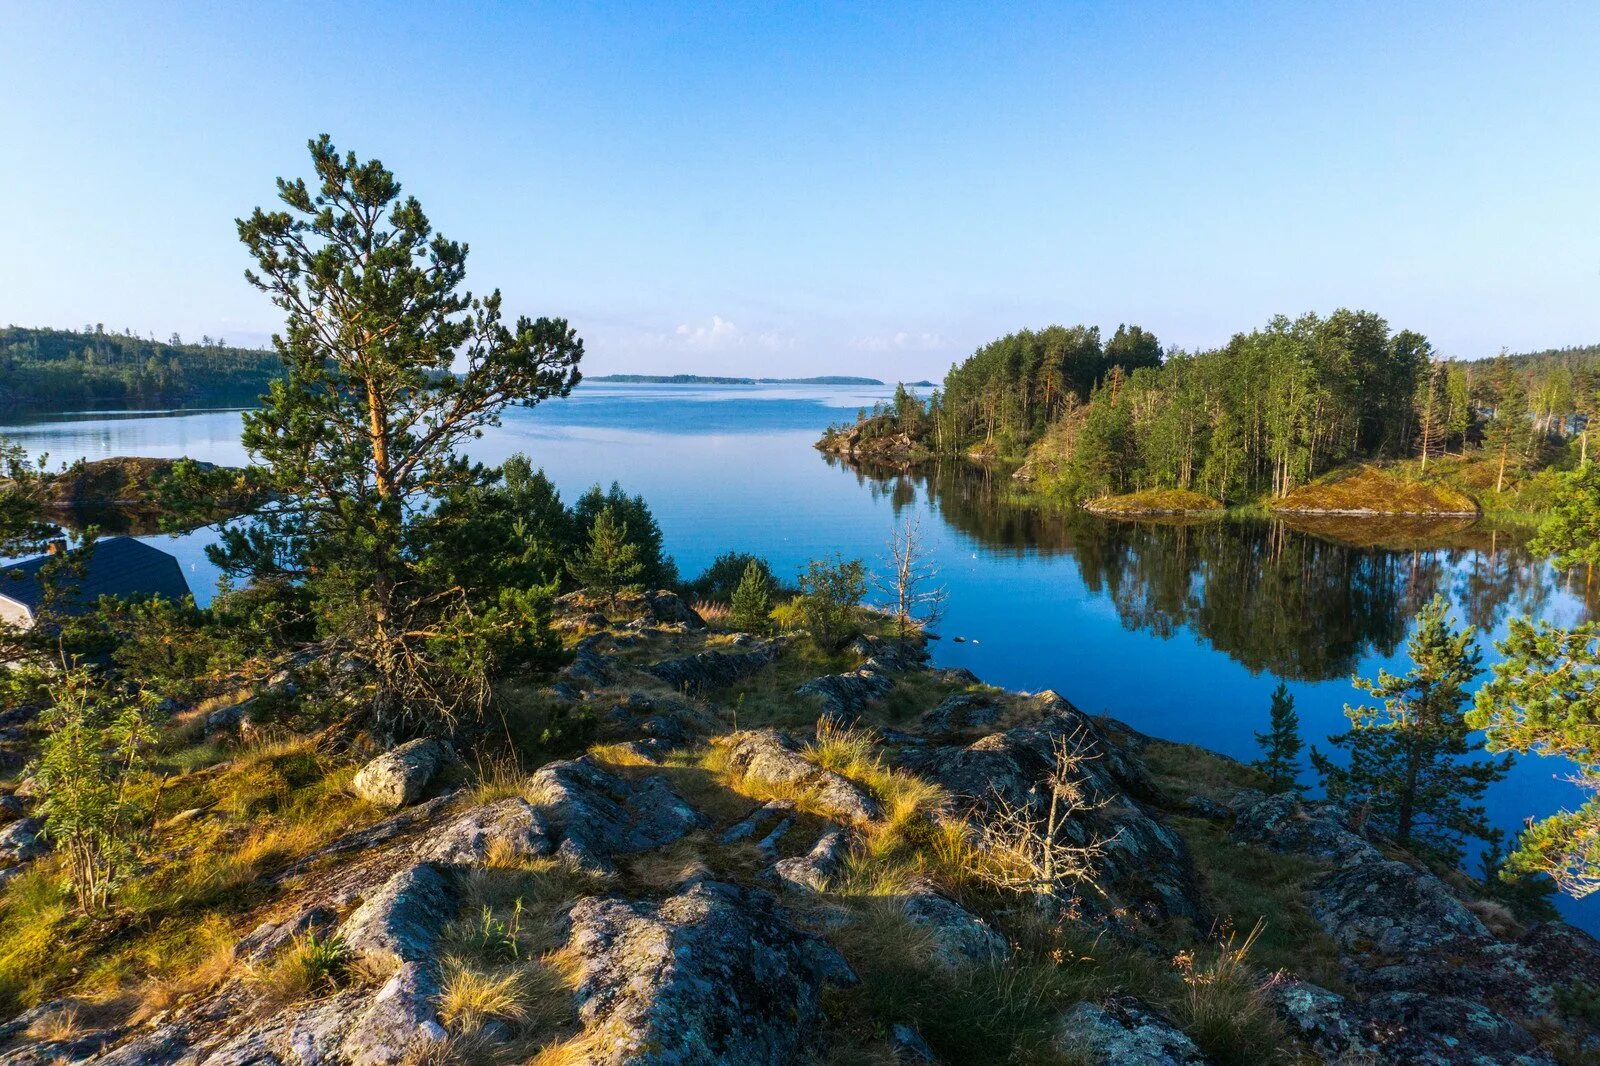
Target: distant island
[55,369]
[712,379]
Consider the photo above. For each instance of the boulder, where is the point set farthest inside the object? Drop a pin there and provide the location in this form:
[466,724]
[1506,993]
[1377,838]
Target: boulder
[960,938]
[508,828]
[398,777]
[1126,1033]
[400,1023]
[714,974]
[400,922]
[590,669]
[668,608]
[594,815]
[1433,1030]
[23,841]
[776,758]
[268,938]
[812,871]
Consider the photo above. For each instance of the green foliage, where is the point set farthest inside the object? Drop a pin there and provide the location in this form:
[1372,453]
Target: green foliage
[719,581]
[508,531]
[95,743]
[1571,530]
[829,600]
[1410,759]
[752,600]
[1281,744]
[52,368]
[657,570]
[1523,890]
[1544,697]
[390,365]
[610,564]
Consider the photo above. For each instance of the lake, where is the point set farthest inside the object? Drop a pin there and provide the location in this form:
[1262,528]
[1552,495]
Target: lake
[1180,630]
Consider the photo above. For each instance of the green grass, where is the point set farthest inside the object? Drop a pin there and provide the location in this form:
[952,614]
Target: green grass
[1155,501]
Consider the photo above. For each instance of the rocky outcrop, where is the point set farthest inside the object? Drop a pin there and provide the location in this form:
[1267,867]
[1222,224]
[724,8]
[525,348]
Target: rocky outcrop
[398,778]
[708,670]
[960,938]
[777,759]
[1126,1033]
[1145,866]
[506,829]
[844,696]
[714,974]
[877,441]
[22,841]
[812,871]
[961,713]
[594,815]
[668,608]
[399,924]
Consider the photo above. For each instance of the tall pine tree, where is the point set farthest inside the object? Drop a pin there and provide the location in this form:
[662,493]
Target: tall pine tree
[1411,758]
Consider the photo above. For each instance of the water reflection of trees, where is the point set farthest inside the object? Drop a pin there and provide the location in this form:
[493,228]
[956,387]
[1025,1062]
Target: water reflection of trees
[1305,603]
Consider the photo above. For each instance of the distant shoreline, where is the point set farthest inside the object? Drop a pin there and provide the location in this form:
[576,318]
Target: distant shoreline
[712,379]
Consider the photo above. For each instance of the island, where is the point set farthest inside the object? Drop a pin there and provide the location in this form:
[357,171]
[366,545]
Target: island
[713,379]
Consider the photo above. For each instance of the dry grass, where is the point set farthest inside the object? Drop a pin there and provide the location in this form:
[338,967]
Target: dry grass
[1373,490]
[309,964]
[1155,502]
[1224,1005]
[716,615]
[471,996]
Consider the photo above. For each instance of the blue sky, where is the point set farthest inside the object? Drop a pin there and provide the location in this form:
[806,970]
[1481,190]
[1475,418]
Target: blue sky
[853,188]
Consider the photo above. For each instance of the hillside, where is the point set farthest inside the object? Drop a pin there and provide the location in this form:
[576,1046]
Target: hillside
[727,847]
[65,369]
[708,379]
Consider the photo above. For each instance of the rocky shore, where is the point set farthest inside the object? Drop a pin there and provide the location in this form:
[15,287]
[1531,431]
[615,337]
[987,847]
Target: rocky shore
[753,865]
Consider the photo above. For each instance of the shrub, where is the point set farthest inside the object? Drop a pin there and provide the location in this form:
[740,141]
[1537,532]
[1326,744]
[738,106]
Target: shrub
[830,594]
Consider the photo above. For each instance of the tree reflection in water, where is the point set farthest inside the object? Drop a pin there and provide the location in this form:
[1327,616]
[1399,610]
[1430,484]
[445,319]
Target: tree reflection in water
[1305,599]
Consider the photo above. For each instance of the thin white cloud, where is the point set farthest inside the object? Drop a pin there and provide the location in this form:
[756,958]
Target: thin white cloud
[720,334]
[901,341]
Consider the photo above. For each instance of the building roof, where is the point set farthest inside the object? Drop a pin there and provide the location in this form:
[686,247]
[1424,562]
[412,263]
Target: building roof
[118,566]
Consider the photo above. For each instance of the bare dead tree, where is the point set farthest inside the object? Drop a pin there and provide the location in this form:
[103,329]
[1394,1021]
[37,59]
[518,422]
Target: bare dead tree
[1026,846]
[912,581]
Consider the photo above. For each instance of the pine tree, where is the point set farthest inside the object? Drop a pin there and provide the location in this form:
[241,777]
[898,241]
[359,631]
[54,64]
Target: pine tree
[610,564]
[1281,744]
[752,600]
[1410,759]
[1571,530]
[1544,697]
[391,365]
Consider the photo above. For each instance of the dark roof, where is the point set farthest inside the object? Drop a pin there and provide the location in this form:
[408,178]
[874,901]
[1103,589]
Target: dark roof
[118,566]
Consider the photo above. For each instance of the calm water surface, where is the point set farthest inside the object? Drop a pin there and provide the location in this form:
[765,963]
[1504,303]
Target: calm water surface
[1182,631]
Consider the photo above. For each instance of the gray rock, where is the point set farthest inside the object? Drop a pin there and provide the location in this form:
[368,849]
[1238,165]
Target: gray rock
[712,669]
[399,923]
[812,871]
[1318,831]
[400,1023]
[714,974]
[594,815]
[1433,1030]
[23,841]
[512,827]
[845,696]
[960,937]
[1125,1033]
[1392,908]
[669,609]
[269,938]
[960,713]
[397,778]
[590,669]
[767,755]
[1145,866]
[1324,1021]
[908,1044]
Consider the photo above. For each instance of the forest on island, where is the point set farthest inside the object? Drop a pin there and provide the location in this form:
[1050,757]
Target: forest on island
[57,368]
[1273,409]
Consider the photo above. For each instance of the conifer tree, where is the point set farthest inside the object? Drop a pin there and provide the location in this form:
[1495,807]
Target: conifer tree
[1410,758]
[1544,697]
[1281,744]
[391,365]
[610,564]
[752,600]
[1571,530]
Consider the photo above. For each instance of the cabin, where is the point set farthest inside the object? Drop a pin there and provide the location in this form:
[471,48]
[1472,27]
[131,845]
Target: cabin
[118,566]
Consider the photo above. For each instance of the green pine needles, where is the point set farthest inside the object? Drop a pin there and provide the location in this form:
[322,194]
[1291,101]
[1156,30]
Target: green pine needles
[752,600]
[1281,744]
[1411,764]
[609,566]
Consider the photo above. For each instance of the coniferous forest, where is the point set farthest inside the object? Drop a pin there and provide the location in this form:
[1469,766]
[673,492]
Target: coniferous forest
[61,369]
